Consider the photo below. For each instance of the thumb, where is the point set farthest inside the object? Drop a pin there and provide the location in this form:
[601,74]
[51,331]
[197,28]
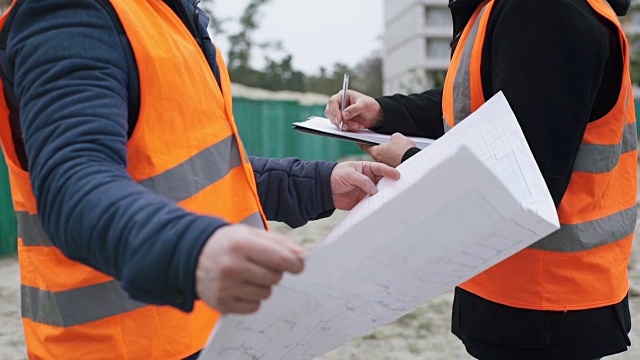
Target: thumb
[362,181]
[286,243]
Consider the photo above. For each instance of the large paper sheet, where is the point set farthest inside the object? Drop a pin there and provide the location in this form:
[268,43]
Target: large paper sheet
[322,126]
[468,201]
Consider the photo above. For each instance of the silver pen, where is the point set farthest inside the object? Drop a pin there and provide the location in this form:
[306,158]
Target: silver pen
[345,89]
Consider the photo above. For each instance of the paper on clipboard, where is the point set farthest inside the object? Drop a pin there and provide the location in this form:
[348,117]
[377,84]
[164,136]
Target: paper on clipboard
[322,126]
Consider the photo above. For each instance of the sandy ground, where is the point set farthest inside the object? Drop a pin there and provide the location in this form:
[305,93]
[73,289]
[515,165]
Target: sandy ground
[422,334]
[11,337]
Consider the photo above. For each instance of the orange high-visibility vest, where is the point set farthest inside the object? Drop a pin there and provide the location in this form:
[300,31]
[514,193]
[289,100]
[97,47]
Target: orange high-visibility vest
[584,264]
[185,147]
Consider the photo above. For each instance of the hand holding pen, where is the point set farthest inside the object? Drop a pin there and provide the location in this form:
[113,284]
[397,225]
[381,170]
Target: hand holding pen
[361,112]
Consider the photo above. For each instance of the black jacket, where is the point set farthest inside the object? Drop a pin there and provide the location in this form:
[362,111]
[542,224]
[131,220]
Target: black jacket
[556,62]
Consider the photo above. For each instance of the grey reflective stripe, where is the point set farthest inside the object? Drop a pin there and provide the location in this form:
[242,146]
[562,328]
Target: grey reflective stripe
[30,230]
[446,125]
[462,82]
[254,220]
[630,138]
[177,184]
[598,159]
[591,234]
[198,172]
[77,306]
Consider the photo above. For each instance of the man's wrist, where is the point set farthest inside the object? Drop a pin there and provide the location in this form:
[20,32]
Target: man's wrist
[409,153]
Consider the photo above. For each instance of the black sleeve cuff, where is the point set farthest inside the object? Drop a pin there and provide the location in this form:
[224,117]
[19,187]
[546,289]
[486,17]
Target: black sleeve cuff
[409,153]
[325,196]
[390,108]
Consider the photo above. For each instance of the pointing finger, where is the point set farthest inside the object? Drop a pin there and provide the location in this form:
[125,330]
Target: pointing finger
[379,169]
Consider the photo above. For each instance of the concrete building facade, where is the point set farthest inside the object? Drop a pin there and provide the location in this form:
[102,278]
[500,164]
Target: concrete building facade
[416,44]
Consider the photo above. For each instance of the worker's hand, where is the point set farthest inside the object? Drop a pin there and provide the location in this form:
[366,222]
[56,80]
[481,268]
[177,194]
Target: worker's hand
[363,111]
[239,264]
[353,180]
[389,153]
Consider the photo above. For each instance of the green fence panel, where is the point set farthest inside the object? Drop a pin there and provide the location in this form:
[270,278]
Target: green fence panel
[8,231]
[250,135]
[311,147]
[265,130]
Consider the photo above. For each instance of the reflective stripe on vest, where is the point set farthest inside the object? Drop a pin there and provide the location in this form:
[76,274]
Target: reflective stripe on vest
[582,265]
[198,170]
[462,82]
[31,233]
[78,306]
[597,158]
[590,234]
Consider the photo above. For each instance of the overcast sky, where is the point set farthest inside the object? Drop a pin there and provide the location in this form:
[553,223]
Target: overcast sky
[317,32]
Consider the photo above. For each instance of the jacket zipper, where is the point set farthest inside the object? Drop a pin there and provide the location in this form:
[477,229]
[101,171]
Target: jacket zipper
[183,13]
[193,26]
[196,19]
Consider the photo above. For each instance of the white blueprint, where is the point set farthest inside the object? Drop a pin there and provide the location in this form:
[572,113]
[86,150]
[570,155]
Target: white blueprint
[466,202]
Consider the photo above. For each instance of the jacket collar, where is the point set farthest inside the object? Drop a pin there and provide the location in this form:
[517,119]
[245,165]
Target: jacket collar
[620,6]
